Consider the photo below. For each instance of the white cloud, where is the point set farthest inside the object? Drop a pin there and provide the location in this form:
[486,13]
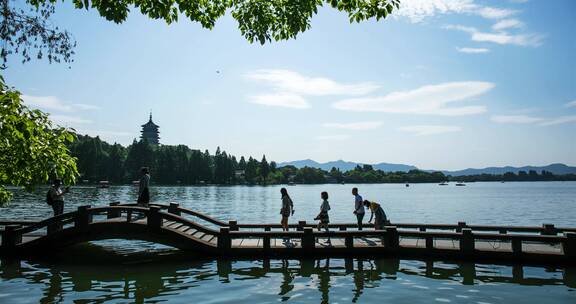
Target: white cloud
[55,104]
[365,125]
[495,13]
[469,50]
[47,102]
[571,104]
[559,120]
[293,82]
[65,119]
[506,24]
[418,10]
[533,40]
[429,99]
[285,100]
[421,130]
[339,137]
[82,106]
[516,119]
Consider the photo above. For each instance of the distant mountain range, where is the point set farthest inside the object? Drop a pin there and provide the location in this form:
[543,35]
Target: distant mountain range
[345,165]
[558,169]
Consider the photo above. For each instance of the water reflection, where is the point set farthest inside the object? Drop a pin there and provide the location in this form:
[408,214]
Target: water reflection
[104,276]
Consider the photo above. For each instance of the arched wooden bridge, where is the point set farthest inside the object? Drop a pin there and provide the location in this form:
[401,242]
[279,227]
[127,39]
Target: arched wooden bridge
[200,234]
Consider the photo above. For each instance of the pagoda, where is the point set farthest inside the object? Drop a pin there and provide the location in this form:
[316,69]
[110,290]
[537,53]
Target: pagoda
[150,132]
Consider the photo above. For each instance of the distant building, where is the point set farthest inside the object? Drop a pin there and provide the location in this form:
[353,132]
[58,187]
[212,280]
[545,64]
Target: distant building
[150,132]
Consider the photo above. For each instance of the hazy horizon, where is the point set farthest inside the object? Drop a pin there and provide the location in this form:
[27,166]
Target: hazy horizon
[444,84]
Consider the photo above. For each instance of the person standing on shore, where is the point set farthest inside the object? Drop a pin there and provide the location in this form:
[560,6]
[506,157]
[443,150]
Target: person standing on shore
[287,208]
[358,207]
[143,187]
[55,197]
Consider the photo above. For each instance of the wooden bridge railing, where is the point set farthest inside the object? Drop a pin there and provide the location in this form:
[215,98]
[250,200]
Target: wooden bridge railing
[465,235]
[545,229]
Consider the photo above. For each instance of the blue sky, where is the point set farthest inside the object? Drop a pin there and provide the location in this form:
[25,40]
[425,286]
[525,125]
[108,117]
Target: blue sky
[444,84]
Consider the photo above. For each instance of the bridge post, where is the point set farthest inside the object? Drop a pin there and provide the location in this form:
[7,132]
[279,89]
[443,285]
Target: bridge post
[569,245]
[461,225]
[391,238]
[429,242]
[516,246]
[266,240]
[301,225]
[349,241]
[467,241]
[83,218]
[113,213]
[154,219]
[342,228]
[10,237]
[548,229]
[233,225]
[224,240]
[174,208]
[308,238]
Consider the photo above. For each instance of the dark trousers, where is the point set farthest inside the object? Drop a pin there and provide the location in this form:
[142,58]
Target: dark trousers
[58,207]
[359,217]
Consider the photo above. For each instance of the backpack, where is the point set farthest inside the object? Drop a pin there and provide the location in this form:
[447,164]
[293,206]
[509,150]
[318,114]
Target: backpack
[49,199]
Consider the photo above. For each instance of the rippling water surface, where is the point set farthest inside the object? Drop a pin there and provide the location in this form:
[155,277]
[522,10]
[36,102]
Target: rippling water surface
[133,271]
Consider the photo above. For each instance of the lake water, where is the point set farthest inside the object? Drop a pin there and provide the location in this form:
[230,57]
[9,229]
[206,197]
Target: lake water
[132,271]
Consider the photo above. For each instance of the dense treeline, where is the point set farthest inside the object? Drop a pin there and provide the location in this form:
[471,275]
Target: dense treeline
[522,176]
[99,160]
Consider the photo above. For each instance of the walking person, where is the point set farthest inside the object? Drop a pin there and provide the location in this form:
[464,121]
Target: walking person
[144,187]
[287,208]
[323,216]
[378,213]
[55,196]
[358,207]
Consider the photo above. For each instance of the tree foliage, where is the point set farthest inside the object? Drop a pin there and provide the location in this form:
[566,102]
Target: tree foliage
[32,149]
[27,26]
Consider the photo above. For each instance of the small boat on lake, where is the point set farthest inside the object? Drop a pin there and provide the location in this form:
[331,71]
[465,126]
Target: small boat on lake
[103,184]
[443,184]
[135,183]
[460,184]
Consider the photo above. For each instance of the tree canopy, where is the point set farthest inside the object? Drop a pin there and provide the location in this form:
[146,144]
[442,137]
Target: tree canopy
[32,149]
[25,28]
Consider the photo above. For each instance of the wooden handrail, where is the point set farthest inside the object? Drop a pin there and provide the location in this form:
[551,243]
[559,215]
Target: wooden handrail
[45,223]
[534,229]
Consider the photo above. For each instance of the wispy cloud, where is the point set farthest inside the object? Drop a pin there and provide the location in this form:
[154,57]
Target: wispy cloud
[66,119]
[365,125]
[339,137]
[571,104]
[506,24]
[293,82]
[53,103]
[495,13]
[516,119]
[469,50]
[533,40]
[285,100]
[422,130]
[559,120]
[541,121]
[429,99]
[418,10]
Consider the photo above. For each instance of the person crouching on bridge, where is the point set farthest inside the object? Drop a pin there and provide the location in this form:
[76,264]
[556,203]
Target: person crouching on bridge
[377,213]
[323,216]
[287,208]
[143,187]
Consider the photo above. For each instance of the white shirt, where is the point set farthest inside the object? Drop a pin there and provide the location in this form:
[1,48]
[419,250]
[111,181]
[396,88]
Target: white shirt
[358,204]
